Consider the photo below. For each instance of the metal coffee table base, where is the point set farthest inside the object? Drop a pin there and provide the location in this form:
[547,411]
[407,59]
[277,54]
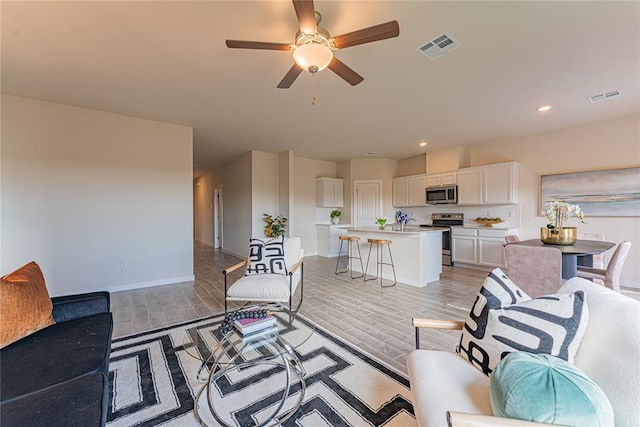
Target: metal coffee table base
[290,361]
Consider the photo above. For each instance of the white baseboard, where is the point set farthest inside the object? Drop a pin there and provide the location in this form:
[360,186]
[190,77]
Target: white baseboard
[225,250]
[140,285]
[202,242]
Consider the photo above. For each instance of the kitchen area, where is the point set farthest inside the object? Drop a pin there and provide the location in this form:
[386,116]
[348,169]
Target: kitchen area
[461,217]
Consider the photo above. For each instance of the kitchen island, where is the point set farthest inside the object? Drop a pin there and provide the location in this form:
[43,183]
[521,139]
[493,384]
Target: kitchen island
[417,253]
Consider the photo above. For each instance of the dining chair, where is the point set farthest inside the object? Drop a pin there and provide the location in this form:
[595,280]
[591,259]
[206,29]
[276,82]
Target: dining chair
[598,259]
[511,238]
[537,270]
[611,275]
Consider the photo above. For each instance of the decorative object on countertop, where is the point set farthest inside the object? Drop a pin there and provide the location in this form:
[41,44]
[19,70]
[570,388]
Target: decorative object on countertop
[276,226]
[555,233]
[381,220]
[335,216]
[402,218]
[488,222]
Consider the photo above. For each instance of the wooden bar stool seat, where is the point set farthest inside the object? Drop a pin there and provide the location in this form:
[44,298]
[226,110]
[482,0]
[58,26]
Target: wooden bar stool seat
[381,243]
[350,255]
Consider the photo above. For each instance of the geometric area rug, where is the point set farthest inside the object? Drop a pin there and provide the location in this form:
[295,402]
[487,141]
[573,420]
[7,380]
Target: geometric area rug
[153,381]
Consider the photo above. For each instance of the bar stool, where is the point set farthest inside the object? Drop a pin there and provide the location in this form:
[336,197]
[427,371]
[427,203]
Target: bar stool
[349,240]
[379,262]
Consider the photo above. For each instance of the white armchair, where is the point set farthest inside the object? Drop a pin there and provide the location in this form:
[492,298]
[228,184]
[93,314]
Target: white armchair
[447,390]
[269,287]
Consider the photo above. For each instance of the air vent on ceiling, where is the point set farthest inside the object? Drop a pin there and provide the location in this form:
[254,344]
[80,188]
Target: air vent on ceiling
[439,46]
[605,96]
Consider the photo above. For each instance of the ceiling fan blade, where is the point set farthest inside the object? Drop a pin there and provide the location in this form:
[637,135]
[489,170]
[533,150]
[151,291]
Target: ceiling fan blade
[239,44]
[345,72]
[367,35]
[290,77]
[306,14]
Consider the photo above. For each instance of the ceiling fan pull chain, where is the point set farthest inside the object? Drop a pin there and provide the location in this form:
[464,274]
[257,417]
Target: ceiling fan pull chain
[313,89]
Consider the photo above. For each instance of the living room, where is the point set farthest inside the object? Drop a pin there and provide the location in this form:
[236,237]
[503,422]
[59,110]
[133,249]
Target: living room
[108,196]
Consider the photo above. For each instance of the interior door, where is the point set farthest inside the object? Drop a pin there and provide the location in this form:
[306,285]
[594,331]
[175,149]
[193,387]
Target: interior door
[217,217]
[367,202]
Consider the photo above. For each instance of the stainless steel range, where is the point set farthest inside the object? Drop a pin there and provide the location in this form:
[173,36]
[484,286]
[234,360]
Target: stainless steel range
[445,220]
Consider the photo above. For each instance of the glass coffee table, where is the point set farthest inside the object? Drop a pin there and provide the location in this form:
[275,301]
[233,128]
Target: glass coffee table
[225,356]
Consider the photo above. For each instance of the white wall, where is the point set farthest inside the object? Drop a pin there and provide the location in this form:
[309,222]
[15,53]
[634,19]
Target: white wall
[235,178]
[344,172]
[306,172]
[264,190]
[285,188]
[412,166]
[101,201]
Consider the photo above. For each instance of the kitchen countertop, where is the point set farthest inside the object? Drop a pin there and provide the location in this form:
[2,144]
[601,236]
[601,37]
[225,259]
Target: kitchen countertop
[417,253]
[500,226]
[408,230]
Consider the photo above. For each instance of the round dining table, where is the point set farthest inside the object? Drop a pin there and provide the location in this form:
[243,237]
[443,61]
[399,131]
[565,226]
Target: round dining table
[580,253]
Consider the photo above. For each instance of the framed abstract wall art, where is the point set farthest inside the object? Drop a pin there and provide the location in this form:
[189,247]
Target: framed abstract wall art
[612,192]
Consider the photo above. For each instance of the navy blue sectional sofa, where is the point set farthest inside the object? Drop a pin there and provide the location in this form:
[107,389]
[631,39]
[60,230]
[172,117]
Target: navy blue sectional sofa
[58,376]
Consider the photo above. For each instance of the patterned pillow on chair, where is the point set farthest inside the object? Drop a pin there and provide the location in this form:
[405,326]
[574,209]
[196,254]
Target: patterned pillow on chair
[266,256]
[504,319]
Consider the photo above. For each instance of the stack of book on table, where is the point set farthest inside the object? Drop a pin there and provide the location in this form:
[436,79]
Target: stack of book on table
[249,327]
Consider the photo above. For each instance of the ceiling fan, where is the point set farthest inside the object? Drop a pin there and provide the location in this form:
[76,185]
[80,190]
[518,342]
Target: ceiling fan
[314,46]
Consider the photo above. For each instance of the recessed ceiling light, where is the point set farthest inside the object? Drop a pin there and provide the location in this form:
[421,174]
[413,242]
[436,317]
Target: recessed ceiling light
[372,154]
[544,108]
[423,144]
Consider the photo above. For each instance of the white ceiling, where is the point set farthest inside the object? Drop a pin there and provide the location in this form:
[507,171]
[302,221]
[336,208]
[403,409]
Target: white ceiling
[167,61]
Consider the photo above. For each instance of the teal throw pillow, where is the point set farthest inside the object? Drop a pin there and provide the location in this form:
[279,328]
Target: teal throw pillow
[544,388]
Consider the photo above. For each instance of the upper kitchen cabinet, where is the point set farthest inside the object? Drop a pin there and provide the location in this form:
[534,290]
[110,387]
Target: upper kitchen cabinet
[494,184]
[329,192]
[409,191]
[440,179]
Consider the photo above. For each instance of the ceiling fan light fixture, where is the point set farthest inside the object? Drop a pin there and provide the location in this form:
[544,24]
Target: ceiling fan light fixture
[313,57]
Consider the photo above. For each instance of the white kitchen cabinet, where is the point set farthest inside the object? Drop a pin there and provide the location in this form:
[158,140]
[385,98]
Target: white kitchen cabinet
[328,239]
[329,192]
[492,184]
[400,192]
[440,179]
[417,194]
[500,183]
[409,191]
[463,247]
[470,187]
[479,247]
[491,248]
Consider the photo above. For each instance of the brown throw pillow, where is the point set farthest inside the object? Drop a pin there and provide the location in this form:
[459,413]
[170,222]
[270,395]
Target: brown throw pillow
[25,306]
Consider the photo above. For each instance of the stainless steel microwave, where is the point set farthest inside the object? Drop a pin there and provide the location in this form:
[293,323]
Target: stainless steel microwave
[442,195]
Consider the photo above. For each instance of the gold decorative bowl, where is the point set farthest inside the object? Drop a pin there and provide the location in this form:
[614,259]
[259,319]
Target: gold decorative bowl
[565,236]
[488,222]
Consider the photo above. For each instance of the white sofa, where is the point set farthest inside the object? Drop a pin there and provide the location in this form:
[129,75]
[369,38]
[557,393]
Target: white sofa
[609,354]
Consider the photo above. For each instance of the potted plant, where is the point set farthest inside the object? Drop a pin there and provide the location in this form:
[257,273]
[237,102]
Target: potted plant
[276,226]
[335,216]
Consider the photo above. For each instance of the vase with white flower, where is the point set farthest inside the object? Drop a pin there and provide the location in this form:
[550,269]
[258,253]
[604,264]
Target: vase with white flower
[557,214]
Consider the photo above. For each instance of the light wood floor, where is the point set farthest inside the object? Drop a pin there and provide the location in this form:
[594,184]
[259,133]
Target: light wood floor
[376,320]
